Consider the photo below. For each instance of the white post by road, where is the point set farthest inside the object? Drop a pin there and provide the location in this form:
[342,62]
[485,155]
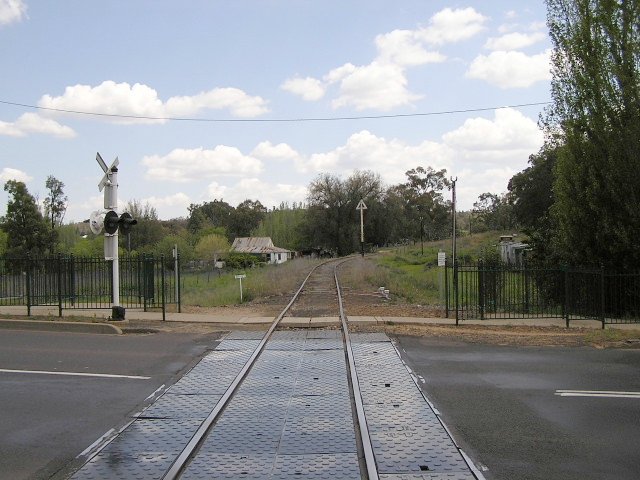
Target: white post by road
[362,207]
[240,277]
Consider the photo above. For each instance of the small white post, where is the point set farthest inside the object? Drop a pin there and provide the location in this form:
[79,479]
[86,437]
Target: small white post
[362,207]
[240,277]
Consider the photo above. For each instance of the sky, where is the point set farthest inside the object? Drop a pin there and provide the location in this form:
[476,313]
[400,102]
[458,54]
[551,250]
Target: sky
[253,99]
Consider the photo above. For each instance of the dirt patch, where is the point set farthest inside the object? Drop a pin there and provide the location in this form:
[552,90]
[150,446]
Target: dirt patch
[494,335]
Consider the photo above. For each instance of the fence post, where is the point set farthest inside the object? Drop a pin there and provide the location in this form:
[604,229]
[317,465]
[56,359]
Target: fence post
[145,282]
[481,288]
[455,290]
[526,289]
[178,286]
[602,296]
[28,285]
[72,279]
[446,290]
[59,268]
[567,292]
[164,307]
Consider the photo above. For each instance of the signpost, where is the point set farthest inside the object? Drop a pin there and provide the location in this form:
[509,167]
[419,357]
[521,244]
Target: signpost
[362,207]
[240,277]
[442,262]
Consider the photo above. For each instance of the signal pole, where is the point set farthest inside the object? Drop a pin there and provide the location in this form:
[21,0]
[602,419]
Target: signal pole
[109,184]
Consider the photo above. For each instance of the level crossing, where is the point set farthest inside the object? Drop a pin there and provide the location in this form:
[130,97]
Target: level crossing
[289,403]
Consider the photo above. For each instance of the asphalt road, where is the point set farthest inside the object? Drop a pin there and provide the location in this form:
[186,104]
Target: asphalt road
[502,407]
[46,420]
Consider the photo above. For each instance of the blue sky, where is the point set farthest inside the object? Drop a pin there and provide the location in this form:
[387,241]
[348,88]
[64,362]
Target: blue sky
[227,69]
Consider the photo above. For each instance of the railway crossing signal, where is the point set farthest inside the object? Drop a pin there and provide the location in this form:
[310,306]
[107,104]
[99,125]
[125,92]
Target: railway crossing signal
[112,223]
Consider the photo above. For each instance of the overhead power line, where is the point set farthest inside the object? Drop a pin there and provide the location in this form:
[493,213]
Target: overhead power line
[274,120]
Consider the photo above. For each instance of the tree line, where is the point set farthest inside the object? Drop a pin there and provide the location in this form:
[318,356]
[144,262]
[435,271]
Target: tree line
[328,222]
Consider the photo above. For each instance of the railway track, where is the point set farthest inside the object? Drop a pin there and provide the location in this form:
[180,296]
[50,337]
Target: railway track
[285,404]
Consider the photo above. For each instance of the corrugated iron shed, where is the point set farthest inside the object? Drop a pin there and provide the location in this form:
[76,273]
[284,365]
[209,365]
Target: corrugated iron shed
[258,245]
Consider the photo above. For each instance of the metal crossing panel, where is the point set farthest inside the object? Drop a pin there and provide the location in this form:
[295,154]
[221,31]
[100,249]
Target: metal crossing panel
[291,418]
[408,439]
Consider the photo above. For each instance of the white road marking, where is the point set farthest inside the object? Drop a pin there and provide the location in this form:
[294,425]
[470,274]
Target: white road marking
[96,443]
[158,390]
[75,374]
[597,394]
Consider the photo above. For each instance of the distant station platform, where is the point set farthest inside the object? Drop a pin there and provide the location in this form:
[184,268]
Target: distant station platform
[291,417]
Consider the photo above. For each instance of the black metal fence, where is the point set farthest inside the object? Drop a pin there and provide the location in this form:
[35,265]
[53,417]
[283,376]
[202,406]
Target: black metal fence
[502,292]
[70,282]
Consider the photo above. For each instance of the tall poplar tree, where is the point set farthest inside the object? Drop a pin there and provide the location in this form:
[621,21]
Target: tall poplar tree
[595,121]
[55,205]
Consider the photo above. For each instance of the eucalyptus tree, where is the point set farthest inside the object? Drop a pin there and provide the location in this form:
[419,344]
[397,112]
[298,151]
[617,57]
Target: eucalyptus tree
[332,221]
[27,230]
[426,209]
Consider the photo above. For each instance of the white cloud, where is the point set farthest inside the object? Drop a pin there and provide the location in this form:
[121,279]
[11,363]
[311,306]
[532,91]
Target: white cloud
[450,26]
[404,48]
[9,173]
[382,84]
[389,157]
[514,41]
[308,88]
[215,190]
[183,165]
[268,151]
[10,129]
[483,152]
[269,194]
[177,201]
[33,123]
[507,133]
[12,11]
[511,69]
[377,86]
[473,182]
[141,100]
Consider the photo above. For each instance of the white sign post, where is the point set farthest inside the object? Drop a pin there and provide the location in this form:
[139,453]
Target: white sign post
[442,262]
[240,277]
[362,207]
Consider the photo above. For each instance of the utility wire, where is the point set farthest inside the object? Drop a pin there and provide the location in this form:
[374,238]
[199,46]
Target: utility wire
[274,120]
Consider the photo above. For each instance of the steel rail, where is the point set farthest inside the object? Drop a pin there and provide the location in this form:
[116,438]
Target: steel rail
[369,458]
[182,459]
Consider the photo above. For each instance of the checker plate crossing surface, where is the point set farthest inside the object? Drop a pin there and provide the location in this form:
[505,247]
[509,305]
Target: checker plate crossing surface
[291,418]
[408,439]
